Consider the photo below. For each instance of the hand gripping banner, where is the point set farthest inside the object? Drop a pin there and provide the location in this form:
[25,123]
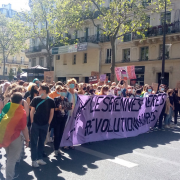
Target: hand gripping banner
[98,118]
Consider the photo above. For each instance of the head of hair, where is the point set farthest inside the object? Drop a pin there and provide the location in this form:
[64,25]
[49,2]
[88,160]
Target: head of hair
[169,91]
[45,87]
[63,89]
[59,83]
[50,86]
[104,88]
[16,98]
[30,86]
[21,82]
[72,81]
[8,92]
[58,87]
[138,91]
[149,87]
[145,87]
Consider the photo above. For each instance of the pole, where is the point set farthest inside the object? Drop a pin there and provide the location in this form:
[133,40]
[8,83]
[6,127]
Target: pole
[164,46]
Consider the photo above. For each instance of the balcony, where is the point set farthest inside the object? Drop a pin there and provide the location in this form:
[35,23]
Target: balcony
[94,39]
[35,49]
[158,30]
[144,59]
[126,60]
[9,61]
[108,61]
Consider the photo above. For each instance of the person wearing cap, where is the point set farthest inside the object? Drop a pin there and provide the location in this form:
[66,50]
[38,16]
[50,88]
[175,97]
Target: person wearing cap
[36,81]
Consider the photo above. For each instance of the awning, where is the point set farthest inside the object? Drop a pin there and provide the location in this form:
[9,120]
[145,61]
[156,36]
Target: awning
[36,69]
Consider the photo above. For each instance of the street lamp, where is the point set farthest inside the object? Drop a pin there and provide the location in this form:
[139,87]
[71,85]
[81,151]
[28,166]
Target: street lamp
[164,45]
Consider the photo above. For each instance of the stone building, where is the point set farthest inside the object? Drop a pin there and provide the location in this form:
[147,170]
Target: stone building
[145,55]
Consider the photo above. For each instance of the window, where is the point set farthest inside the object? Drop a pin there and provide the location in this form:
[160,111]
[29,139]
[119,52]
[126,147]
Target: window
[22,60]
[85,57]
[14,71]
[74,59]
[98,31]
[57,57]
[33,62]
[108,56]
[14,59]
[126,54]
[6,71]
[41,61]
[76,34]
[144,53]
[86,33]
[168,18]
[146,2]
[127,37]
[64,62]
[167,48]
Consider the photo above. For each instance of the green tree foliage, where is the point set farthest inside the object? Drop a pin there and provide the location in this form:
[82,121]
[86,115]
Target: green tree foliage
[44,26]
[11,74]
[13,34]
[117,19]
[19,70]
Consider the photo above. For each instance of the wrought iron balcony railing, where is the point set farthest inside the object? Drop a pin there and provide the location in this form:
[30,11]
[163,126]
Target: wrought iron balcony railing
[158,30]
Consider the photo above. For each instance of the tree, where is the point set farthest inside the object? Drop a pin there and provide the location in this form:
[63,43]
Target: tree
[11,74]
[117,19]
[44,26]
[13,34]
[19,70]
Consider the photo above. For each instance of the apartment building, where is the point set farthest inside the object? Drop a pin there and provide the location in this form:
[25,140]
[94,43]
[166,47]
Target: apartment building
[17,60]
[37,53]
[145,55]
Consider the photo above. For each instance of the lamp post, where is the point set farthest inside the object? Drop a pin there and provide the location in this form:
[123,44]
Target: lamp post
[164,46]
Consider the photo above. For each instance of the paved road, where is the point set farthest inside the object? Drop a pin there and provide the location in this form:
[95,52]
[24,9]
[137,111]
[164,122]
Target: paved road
[150,156]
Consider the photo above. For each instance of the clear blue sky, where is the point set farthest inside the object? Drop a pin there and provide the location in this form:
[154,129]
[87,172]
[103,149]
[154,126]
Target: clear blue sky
[17,5]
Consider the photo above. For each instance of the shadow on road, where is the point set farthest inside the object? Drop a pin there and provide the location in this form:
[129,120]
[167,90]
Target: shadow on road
[77,162]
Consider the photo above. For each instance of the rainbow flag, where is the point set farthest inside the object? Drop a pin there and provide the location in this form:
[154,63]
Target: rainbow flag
[12,122]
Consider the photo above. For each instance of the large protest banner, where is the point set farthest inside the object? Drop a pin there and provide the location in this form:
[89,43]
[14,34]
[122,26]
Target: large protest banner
[97,118]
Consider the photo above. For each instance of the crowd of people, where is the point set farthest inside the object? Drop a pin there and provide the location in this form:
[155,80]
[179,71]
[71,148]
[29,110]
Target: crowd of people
[49,107]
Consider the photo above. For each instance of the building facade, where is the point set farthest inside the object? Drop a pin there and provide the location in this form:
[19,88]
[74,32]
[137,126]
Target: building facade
[17,60]
[144,54]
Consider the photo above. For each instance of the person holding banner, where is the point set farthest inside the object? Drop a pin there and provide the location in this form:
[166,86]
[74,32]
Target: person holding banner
[72,98]
[80,90]
[149,91]
[104,90]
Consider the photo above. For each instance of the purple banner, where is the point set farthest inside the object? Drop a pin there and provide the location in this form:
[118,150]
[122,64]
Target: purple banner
[98,118]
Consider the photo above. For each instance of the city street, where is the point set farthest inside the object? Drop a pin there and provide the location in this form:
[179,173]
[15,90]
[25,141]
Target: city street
[150,156]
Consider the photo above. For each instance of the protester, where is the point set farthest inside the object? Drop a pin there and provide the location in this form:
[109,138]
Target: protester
[72,97]
[55,93]
[29,89]
[80,90]
[11,138]
[149,91]
[61,114]
[169,108]
[42,112]
[37,82]
[104,90]
[176,105]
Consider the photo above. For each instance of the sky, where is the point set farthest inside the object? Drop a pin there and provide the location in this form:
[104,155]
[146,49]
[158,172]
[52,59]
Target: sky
[17,5]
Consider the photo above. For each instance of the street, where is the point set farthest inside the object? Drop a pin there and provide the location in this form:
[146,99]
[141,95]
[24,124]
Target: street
[150,156]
